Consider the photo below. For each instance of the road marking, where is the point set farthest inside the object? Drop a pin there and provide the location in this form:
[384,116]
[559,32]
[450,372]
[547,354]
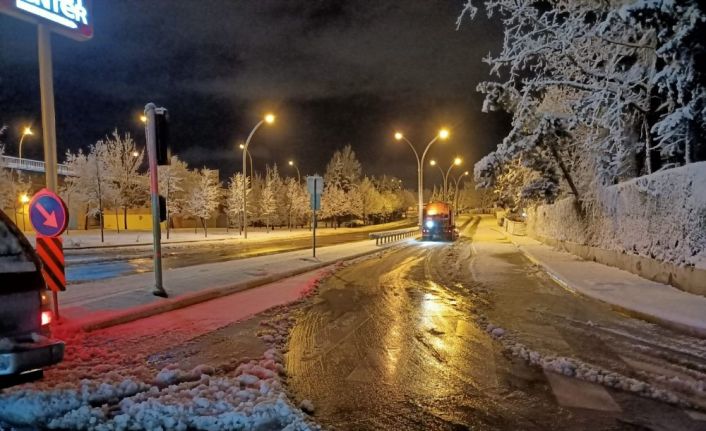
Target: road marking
[570,392]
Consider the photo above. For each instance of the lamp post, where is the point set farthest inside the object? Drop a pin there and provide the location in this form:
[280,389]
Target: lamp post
[432,162]
[252,171]
[458,178]
[27,131]
[443,134]
[299,177]
[24,200]
[456,162]
[269,119]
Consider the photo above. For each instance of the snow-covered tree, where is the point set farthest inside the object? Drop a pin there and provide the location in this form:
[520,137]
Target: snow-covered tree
[295,202]
[334,203]
[268,204]
[203,197]
[123,161]
[631,97]
[172,185]
[89,176]
[369,199]
[343,170]
[13,185]
[234,198]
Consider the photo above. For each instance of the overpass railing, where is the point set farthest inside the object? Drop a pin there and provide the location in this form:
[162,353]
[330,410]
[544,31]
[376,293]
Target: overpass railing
[30,165]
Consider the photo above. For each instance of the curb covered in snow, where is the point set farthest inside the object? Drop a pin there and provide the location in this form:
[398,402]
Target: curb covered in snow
[189,299]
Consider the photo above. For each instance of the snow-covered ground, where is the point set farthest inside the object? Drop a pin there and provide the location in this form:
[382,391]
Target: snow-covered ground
[111,380]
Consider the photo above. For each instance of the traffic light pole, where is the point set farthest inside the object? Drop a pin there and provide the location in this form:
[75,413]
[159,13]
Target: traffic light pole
[151,133]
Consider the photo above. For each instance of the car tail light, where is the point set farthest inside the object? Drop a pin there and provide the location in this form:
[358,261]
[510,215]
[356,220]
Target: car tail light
[47,317]
[45,299]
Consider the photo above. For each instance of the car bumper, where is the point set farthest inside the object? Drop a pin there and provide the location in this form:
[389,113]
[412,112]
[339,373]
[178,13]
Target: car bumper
[31,356]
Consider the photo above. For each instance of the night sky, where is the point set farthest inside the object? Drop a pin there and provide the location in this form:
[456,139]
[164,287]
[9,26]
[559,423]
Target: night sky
[333,72]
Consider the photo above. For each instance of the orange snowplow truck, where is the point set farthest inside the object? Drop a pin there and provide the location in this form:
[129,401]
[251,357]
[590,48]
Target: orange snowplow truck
[438,222]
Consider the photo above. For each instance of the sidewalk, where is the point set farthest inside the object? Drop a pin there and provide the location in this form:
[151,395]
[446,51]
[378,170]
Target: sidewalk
[120,300]
[649,300]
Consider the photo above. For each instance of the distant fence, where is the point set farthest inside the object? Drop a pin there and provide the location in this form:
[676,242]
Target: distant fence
[393,235]
[31,165]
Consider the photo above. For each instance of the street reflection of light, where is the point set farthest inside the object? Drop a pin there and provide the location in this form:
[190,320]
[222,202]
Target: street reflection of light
[431,305]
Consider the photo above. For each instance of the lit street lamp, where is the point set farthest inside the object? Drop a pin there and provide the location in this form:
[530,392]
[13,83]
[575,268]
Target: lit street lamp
[299,177]
[443,134]
[269,119]
[445,175]
[27,131]
[252,171]
[24,200]
[458,178]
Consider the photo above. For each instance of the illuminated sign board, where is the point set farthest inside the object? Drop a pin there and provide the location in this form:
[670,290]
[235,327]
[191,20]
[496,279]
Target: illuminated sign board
[73,18]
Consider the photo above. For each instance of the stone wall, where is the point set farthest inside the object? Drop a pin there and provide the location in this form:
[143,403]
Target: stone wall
[658,218]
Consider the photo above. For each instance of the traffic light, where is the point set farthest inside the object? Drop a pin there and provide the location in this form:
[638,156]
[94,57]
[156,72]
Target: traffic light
[161,120]
[162,208]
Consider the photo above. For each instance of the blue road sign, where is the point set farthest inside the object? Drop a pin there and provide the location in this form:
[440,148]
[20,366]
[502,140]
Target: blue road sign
[48,213]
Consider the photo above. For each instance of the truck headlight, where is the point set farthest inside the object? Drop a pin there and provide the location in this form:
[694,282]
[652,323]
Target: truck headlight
[429,224]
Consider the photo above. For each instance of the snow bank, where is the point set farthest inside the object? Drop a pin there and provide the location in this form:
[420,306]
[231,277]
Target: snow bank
[660,216]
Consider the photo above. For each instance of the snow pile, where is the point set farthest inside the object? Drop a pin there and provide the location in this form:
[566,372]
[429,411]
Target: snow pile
[576,368]
[249,398]
[660,216]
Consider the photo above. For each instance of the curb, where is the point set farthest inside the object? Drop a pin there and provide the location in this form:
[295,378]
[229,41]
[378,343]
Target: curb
[193,298]
[678,326]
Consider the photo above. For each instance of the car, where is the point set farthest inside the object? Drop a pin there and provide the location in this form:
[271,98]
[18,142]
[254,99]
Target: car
[26,346]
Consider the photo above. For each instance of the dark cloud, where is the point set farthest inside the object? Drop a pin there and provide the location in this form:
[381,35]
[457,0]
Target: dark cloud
[337,73]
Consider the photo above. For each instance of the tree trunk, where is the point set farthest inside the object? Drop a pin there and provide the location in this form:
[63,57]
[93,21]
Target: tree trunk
[648,145]
[564,170]
[205,231]
[125,217]
[117,219]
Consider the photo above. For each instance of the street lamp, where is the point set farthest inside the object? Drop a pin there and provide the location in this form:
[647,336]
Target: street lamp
[458,178]
[445,175]
[26,131]
[269,119]
[143,118]
[443,134]
[299,177]
[24,199]
[252,171]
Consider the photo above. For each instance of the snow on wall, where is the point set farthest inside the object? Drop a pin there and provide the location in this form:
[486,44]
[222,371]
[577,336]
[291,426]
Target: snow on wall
[660,216]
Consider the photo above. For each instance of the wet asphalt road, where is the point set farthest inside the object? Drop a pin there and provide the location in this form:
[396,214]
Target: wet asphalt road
[116,262]
[395,344]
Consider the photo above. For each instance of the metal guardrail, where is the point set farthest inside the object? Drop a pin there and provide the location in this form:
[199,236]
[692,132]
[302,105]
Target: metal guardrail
[393,235]
[31,165]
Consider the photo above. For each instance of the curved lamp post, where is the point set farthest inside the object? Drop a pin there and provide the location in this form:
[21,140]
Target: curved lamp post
[456,162]
[252,171]
[299,177]
[443,134]
[269,119]
[27,131]
[458,178]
